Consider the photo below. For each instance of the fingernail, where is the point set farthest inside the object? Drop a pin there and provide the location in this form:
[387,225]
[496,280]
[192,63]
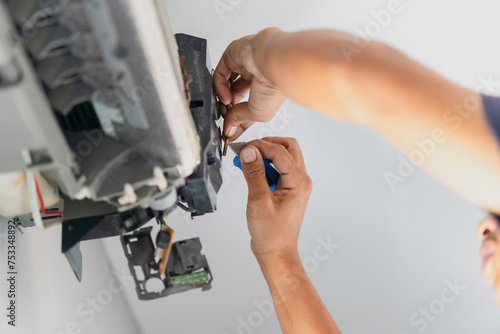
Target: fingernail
[248,154]
[232,131]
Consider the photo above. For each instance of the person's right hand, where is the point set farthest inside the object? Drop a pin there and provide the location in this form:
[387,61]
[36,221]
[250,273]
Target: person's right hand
[274,218]
[239,74]
[274,221]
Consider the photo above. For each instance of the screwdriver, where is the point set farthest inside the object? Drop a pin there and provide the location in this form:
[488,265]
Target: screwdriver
[272,174]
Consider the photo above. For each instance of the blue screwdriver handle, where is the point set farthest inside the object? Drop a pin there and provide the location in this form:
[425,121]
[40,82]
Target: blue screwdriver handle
[272,175]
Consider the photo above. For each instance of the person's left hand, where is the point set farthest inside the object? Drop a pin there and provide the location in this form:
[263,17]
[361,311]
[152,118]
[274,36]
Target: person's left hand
[238,75]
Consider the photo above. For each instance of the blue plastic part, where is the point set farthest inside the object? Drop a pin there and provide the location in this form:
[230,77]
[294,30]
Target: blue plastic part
[272,175]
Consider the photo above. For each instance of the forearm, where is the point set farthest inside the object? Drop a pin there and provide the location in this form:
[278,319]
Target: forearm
[307,66]
[442,126]
[370,86]
[382,88]
[297,304]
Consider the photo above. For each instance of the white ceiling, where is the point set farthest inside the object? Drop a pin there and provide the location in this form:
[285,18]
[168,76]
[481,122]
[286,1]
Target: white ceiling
[395,249]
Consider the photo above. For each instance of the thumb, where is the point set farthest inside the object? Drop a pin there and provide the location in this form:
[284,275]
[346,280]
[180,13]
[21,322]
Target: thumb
[253,168]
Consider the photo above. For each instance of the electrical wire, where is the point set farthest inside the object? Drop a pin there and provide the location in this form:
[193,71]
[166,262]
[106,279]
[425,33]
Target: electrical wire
[183,207]
[41,202]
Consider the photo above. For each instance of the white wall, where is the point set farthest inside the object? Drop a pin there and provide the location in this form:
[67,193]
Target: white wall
[396,248]
[50,300]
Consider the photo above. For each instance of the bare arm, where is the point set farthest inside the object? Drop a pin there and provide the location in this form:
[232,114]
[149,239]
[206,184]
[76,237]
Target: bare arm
[298,305]
[274,220]
[375,86]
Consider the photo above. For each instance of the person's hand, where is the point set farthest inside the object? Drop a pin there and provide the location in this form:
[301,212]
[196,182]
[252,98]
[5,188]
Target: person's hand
[274,218]
[239,74]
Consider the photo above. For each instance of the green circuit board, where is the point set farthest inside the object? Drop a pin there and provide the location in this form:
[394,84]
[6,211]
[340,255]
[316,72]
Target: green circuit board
[200,277]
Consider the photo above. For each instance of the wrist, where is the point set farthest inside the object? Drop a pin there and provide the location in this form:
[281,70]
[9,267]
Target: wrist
[279,258]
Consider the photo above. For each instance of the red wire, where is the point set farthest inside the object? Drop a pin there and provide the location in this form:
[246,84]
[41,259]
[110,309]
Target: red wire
[43,205]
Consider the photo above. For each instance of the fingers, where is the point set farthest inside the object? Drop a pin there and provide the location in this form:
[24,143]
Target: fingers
[242,128]
[226,73]
[230,66]
[262,105]
[255,174]
[235,117]
[239,90]
[235,77]
[292,146]
[221,81]
[223,109]
[292,175]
